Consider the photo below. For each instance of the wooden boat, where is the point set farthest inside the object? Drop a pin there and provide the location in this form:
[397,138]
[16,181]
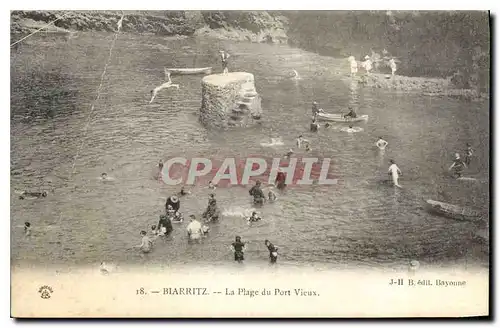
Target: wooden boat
[453,211]
[340,118]
[189,71]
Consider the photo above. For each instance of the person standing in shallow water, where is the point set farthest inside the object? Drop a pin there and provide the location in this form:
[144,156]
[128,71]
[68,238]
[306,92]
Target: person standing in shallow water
[458,165]
[273,251]
[257,193]
[468,154]
[224,56]
[238,247]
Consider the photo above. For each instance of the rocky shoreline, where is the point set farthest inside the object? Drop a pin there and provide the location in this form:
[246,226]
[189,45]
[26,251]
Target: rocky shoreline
[243,26]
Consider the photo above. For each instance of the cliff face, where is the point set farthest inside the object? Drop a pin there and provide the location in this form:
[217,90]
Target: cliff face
[432,44]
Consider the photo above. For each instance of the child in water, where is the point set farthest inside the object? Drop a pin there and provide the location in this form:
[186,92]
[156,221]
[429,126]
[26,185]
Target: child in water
[211,185]
[147,244]
[254,218]
[273,251]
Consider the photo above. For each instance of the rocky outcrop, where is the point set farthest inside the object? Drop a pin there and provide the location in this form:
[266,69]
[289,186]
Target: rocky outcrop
[230,100]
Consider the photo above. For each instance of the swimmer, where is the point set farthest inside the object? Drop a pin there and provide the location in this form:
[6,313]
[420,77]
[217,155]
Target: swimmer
[194,229]
[381,143]
[184,192]
[167,84]
[238,247]
[395,172]
[289,153]
[154,231]
[300,140]
[32,195]
[468,154]
[174,202]
[350,129]
[273,251]
[327,125]
[205,229]
[160,165]
[27,228]
[458,165]
[146,244]
[314,125]
[254,218]
[211,185]
[308,148]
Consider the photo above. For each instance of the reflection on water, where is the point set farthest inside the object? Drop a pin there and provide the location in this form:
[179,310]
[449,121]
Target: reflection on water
[362,221]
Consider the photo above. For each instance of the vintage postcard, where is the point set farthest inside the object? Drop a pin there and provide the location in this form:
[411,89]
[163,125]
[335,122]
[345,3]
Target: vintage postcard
[321,164]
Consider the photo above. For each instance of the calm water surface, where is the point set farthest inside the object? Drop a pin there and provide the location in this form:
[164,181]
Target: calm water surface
[362,221]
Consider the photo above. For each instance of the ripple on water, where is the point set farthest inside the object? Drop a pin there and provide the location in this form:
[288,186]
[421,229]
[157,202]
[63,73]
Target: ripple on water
[362,220]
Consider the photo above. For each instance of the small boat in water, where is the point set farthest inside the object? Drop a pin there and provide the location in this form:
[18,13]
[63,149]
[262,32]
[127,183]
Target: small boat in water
[189,71]
[454,211]
[340,118]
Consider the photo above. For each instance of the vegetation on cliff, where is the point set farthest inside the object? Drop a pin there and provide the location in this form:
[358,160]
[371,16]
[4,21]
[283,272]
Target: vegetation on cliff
[433,43]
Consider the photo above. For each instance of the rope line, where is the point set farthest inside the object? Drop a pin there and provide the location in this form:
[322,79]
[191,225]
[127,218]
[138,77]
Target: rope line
[43,27]
[75,158]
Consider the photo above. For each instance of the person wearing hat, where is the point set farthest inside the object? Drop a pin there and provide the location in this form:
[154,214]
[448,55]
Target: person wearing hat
[351,114]
[458,165]
[257,193]
[194,229]
[174,202]
[224,59]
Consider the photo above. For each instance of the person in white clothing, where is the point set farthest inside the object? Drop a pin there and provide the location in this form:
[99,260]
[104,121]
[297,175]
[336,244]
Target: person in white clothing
[381,143]
[354,65]
[394,67]
[367,64]
[194,229]
[395,172]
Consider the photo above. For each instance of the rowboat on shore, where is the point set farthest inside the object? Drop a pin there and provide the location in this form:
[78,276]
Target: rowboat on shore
[189,71]
[454,211]
[340,118]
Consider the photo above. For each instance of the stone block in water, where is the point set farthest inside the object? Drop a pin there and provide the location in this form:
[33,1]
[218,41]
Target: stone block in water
[224,95]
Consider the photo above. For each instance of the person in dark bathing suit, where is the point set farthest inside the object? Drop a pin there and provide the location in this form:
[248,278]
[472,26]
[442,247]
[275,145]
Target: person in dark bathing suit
[238,248]
[257,193]
[273,251]
[211,214]
[468,154]
[33,194]
[351,114]
[314,125]
[458,165]
[164,225]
